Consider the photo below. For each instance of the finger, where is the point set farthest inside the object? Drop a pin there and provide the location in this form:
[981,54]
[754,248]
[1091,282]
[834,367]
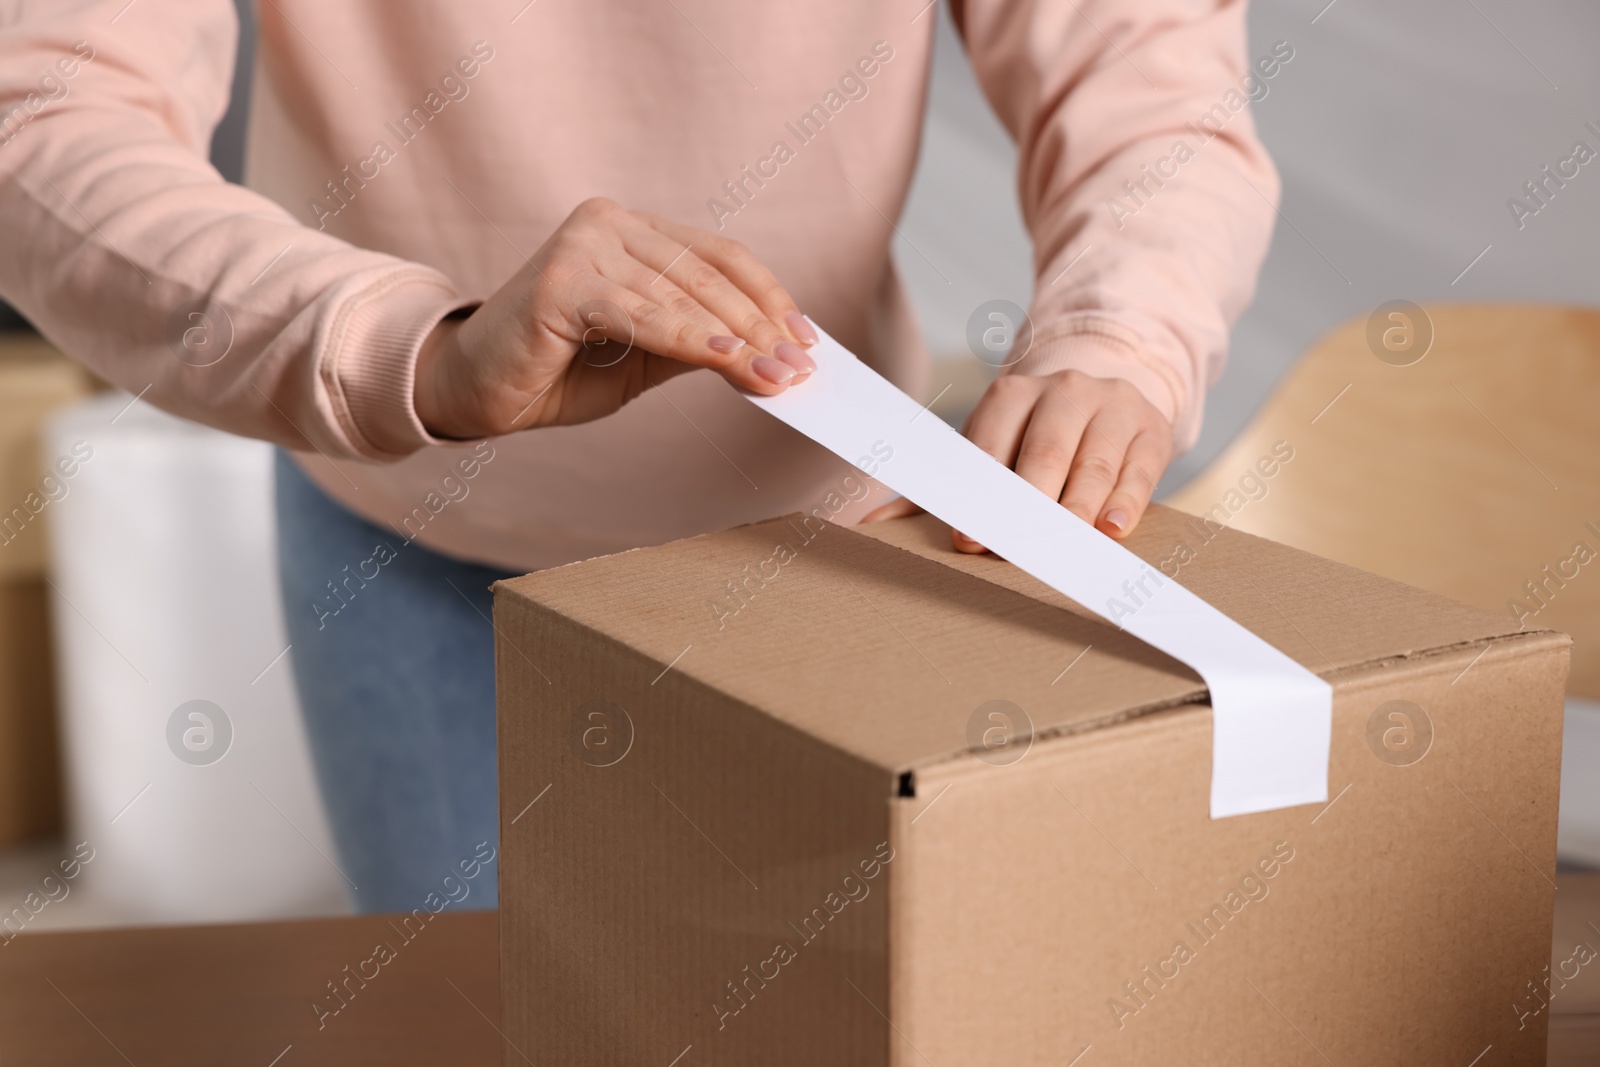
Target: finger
[996,425]
[894,509]
[744,269]
[652,327]
[1148,455]
[1095,468]
[682,265]
[1050,442]
[659,289]
[656,288]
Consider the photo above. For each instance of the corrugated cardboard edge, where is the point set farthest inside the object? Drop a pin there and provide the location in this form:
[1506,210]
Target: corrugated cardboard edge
[1527,643]
[1200,696]
[1530,641]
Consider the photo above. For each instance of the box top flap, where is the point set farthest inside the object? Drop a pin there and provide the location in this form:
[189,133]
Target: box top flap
[887,644]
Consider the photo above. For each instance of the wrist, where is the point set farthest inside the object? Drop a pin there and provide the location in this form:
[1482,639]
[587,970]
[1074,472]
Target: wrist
[432,394]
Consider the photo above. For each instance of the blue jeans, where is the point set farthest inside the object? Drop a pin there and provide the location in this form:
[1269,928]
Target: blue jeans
[393,657]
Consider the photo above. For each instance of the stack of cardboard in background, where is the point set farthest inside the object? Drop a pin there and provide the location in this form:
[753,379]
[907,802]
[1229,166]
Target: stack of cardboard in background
[800,794]
[35,380]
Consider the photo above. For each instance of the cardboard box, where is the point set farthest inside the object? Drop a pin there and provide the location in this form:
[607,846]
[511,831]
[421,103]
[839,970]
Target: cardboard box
[803,794]
[35,380]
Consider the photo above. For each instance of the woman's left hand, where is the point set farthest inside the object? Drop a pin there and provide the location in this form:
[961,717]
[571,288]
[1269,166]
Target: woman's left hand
[1095,444]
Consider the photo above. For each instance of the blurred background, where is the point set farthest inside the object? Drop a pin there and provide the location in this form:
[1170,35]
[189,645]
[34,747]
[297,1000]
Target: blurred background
[1401,131]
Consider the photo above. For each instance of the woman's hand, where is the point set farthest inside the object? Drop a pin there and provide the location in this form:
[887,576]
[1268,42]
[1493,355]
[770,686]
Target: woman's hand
[1095,444]
[615,302]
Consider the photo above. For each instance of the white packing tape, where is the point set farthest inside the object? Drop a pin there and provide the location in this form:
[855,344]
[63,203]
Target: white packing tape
[1272,718]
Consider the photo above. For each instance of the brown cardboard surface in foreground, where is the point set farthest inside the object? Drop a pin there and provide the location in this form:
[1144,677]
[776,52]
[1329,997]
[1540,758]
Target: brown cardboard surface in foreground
[200,996]
[219,994]
[708,849]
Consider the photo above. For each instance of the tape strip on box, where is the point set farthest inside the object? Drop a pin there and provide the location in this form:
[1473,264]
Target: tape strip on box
[1272,718]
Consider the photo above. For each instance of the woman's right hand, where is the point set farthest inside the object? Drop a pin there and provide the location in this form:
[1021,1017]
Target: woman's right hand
[615,302]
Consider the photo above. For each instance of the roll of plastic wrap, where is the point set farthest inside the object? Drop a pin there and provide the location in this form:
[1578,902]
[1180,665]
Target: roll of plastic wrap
[187,768]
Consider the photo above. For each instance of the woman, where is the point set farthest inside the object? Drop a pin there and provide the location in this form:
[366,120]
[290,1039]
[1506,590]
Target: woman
[483,243]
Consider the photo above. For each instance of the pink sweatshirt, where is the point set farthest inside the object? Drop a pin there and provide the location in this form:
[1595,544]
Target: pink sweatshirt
[405,158]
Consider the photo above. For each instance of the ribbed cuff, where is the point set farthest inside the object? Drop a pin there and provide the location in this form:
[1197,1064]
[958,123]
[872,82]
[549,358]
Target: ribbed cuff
[371,362]
[1106,350]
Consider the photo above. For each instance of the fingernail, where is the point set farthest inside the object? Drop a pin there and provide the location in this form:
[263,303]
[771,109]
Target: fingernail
[1117,519]
[795,356]
[800,328]
[773,370]
[725,344]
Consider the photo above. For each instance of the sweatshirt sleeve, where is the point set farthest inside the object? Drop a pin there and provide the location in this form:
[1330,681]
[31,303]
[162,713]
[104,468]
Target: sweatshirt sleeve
[1149,199]
[132,254]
